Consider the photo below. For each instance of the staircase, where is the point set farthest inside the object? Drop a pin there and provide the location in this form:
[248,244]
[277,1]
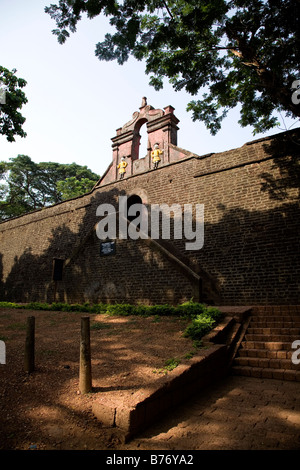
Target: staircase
[266,349]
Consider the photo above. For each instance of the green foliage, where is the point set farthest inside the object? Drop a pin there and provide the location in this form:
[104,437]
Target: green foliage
[11,120]
[170,364]
[185,310]
[120,309]
[234,52]
[203,318]
[73,187]
[202,324]
[190,308]
[28,186]
[10,305]
[189,355]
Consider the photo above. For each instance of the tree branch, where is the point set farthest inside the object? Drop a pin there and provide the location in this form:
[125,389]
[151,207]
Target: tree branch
[168,10]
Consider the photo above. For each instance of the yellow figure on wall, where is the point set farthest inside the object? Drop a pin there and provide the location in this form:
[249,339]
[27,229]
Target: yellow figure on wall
[155,154]
[122,168]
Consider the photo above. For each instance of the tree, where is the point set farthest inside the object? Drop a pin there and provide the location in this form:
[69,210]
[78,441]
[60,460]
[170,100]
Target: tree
[239,52]
[12,100]
[28,186]
[72,187]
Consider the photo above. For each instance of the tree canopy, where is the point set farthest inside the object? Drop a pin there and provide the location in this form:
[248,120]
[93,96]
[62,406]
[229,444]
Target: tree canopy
[236,52]
[27,186]
[12,100]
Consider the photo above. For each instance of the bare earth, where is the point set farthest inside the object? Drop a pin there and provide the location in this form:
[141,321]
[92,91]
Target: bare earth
[44,410]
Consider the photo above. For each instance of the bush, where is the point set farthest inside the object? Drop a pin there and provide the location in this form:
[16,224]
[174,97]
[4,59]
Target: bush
[171,364]
[37,306]
[203,323]
[190,309]
[10,305]
[120,309]
[203,317]
[161,310]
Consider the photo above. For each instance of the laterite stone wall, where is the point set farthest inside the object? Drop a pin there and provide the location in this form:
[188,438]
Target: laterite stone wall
[250,254]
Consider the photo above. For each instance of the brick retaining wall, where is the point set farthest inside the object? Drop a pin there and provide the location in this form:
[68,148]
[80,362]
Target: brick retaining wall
[251,243]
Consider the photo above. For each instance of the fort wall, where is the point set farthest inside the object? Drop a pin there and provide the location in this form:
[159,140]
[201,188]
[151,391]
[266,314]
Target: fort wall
[250,254]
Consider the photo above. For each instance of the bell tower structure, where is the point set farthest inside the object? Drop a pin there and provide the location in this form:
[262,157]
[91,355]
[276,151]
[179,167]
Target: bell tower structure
[161,129]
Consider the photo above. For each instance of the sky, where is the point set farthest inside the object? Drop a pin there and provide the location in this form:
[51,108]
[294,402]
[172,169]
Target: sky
[76,102]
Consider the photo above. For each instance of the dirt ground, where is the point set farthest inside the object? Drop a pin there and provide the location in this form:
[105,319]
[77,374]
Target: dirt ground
[44,410]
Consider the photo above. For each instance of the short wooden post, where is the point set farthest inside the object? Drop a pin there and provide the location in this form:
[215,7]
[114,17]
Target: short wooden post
[85,369]
[29,345]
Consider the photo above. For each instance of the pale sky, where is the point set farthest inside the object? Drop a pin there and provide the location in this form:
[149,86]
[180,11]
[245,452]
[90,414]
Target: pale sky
[76,103]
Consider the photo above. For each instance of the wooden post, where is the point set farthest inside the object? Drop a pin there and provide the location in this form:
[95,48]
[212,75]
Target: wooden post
[29,345]
[85,372]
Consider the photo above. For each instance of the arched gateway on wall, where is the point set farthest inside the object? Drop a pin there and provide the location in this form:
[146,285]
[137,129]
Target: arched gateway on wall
[248,255]
[162,129]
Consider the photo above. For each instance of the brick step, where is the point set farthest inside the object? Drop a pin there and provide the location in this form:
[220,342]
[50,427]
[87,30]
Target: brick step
[268,345]
[266,353]
[276,311]
[273,318]
[289,338]
[274,324]
[285,364]
[273,330]
[286,317]
[266,349]
[268,373]
[290,316]
[293,315]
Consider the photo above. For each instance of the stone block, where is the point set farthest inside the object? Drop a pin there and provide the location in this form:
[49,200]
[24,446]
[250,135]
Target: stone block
[131,418]
[105,411]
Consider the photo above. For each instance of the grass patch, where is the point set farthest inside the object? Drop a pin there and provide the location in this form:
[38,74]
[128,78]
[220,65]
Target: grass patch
[187,309]
[169,365]
[189,355]
[203,318]
[156,319]
[202,324]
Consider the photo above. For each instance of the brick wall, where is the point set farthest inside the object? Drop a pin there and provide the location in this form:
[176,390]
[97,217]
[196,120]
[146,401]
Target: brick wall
[251,245]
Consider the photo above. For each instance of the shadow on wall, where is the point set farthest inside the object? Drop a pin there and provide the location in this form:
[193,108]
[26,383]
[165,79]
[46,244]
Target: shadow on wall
[31,276]
[285,150]
[138,271]
[254,255]
[248,257]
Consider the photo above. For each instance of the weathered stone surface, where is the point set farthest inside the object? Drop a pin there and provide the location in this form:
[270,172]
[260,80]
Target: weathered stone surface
[251,226]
